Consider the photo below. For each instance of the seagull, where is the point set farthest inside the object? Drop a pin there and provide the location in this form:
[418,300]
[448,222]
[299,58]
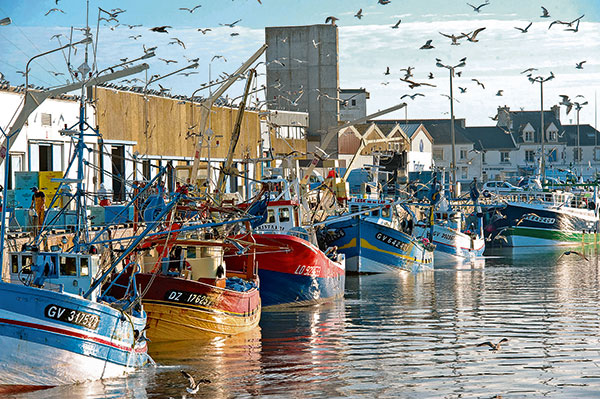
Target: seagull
[478,82]
[204,30]
[449,98]
[163,89]
[472,37]
[315,44]
[397,24]
[493,347]
[331,19]
[529,70]
[454,38]
[387,71]
[160,29]
[574,253]
[359,14]
[408,71]
[53,10]
[499,93]
[413,84]
[56,36]
[167,61]
[545,13]
[215,57]
[462,89]
[412,96]
[557,22]
[177,41]
[135,37]
[231,25]
[133,26]
[194,386]
[478,8]
[576,29]
[234,34]
[191,10]
[149,49]
[459,74]
[56,73]
[427,45]
[22,73]
[385,83]
[524,30]
[430,75]
[579,65]
[384,2]
[186,74]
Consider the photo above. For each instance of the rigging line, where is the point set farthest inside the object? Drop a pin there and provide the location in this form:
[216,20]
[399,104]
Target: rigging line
[17,68]
[32,43]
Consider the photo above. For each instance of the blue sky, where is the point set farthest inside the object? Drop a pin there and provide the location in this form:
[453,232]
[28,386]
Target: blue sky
[367,46]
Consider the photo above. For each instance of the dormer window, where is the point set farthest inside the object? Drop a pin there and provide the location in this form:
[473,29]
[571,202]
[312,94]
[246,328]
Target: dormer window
[552,135]
[528,136]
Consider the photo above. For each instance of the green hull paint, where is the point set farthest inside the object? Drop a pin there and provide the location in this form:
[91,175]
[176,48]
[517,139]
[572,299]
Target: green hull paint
[547,234]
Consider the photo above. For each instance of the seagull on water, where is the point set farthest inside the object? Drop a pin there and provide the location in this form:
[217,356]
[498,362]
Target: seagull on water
[582,256]
[194,386]
[493,347]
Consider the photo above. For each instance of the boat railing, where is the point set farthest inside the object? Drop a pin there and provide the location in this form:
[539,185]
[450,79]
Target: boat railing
[131,293]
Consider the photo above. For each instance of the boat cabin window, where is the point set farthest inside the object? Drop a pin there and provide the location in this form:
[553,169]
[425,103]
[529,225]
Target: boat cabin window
[84,267]
[375,213]
[14,260]
[353,208]
[270,216]
[190,252]
[284,214]
[68,266]
[385,213]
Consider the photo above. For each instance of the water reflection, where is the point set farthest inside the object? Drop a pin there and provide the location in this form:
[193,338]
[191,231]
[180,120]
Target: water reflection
[403,335]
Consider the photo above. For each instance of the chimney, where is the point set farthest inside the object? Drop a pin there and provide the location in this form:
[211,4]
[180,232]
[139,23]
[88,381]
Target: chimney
[556,110]
[504,117]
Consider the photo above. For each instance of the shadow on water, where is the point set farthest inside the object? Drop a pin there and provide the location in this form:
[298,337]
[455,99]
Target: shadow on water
[405,335]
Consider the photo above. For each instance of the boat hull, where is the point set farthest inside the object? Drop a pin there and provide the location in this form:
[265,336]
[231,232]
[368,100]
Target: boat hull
[376,248]
[43,347]
[180,309]
[525,225]
[295,272]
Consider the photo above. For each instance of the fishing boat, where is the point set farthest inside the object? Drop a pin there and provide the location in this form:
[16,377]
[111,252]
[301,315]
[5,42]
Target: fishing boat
[52,335]
[542,218]
[452,239]
[376,238]
[293,270]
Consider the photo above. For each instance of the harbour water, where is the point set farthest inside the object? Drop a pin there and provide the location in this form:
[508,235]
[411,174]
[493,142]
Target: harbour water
[402,335]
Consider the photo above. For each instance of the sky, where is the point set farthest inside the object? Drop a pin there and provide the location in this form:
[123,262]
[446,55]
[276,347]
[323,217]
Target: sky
[367,47]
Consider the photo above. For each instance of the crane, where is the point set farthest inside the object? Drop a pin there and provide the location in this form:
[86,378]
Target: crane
[206,106]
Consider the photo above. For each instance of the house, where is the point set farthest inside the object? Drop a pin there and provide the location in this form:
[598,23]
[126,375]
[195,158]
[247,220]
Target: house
[353,104]
[493,154]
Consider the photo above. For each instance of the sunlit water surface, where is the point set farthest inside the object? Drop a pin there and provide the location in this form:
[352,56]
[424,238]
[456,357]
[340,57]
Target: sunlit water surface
[404,336]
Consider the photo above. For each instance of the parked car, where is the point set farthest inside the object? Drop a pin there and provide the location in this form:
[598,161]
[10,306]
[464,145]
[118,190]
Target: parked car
[499,187]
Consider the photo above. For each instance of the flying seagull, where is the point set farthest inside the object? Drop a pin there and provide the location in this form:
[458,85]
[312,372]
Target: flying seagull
[56,36]
[412,84]
[493,347]
[412,96]
[545,13]
[191,10]
[397,24]
[576,29]
[462,89]
[430,75]
[231,25]
[135,37]
[194,386]
[384,2]
[387,71]
[215,57]
[472,36]
[427,45]
[524,30]
[177,41]
[500,92]
[529,70]
[331,19]
[579,65]
[449,98]
[53,10]
[204,30]
[478,82]
[478,8]
[359,14]
[454,38]
[161,29]
[167,61]
[574,253]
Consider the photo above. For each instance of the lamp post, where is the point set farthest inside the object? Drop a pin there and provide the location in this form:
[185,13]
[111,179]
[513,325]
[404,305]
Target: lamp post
[541,80]
[451,69]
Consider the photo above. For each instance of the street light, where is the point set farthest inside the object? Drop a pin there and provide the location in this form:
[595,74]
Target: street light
[87,40]
[541,80]
[461,64]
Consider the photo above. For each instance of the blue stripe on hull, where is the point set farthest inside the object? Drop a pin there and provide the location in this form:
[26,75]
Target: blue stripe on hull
[278,288]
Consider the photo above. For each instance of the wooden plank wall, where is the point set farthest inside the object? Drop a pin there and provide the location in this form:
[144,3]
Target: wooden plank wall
[121,115]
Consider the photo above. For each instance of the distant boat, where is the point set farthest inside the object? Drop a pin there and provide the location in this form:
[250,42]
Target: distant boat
[451,240]
[373,240]
[51,335]
[546,219]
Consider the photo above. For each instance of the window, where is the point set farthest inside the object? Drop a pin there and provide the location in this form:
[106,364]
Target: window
[463,154]
[552,155]
[46,119]
[284,214]
[483,157]
[45,157]
[84,269]
[528,136]
[385,213]
[504,156]
[438,154]
[353,102]
[118,172]
[552,135]
[529,156]
[270,216]
[464,171]
[68,266]
[577,153]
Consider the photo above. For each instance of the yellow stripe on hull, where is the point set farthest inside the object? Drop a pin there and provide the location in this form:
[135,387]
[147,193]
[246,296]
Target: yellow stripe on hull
[169,322]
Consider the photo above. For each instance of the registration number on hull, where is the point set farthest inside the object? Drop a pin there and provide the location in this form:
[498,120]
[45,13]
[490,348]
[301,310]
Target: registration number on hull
[72,316]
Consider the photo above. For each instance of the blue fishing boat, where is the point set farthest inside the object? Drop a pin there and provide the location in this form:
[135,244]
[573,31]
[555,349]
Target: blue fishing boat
[376,239]
[52,335]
